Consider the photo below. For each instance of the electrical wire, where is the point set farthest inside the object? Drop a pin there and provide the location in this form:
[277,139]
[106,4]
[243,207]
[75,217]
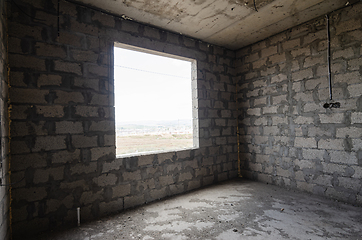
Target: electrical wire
[255,6]
[141,70]
[10,184]
[13,1]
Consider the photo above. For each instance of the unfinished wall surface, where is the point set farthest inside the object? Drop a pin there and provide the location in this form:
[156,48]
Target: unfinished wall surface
[287,137]
[63,130]
[4,130]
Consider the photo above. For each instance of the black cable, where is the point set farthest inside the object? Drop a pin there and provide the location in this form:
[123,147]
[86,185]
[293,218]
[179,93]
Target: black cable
[255,6]
[25,12]
[4,185]
[58,16]
[329,58]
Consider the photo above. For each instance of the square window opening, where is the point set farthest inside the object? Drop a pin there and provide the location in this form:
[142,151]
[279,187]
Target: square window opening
[155,99]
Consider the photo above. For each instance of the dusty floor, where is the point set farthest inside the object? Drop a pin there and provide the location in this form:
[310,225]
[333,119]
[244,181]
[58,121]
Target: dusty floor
[236,209]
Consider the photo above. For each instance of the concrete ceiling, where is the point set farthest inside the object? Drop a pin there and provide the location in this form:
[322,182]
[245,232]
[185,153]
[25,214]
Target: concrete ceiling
[229,23]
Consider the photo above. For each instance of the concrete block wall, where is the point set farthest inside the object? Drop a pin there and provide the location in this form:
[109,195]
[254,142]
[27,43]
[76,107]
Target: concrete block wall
[287,137]
[62,118]
[4,130]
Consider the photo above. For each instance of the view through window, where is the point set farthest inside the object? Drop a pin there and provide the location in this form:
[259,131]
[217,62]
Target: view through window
[153,101]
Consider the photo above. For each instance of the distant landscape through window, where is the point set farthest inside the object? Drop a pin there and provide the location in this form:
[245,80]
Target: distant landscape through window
[153,102]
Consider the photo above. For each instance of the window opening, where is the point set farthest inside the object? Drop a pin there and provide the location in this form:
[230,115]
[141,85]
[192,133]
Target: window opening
[153,101]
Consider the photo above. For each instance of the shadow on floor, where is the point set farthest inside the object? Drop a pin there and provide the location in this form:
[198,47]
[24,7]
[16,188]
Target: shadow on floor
[237,209]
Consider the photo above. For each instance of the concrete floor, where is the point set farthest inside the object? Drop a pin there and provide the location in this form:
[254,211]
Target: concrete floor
[237,209]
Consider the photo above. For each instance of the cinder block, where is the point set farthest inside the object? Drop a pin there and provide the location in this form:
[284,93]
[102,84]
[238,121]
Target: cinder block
[305,142]
[109,140]
[106,208]
[28,96]
[279,120]
[343,157]
[303,74]
[279,78]
[133,201]
[332,118]
[106,180]
[49,80]
[253,93]
[261,121]
[291,44]
[318,83]
[104,126]
[356,117]
[269,51]
[158,193]
[332,168]
[304,164]
[43,175]
[350,78]
[252,58]
[32,160]
[193,185]
[270,110]
[96,70]
[47,143]
[121,190]
[283,172]
[185,176]
[271,130]
[305,51]
[68,127]
[277,58]
[222,176]
[74,184]
[352,132]
[50,111]
[79,27]
[71,39]
[279,99]
[303,96]
[100,152]
[29,194]
[27,128]
[305,186]
[49,50]
[355,90]
[259,63]
[20,30]
[166,180]
[81,168]
[345,53]
[335,144]
[114,165]
[81,141]
[90,197]
[311,61]
[66,156]
[311,107]
[132,176]
[261,140]
[104,19]
[320,35]
[67,67]
[354,64]
[324,180]
[86,111]
[84,56]
[313,154]
[350,183]
[87,83]
[346,26]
